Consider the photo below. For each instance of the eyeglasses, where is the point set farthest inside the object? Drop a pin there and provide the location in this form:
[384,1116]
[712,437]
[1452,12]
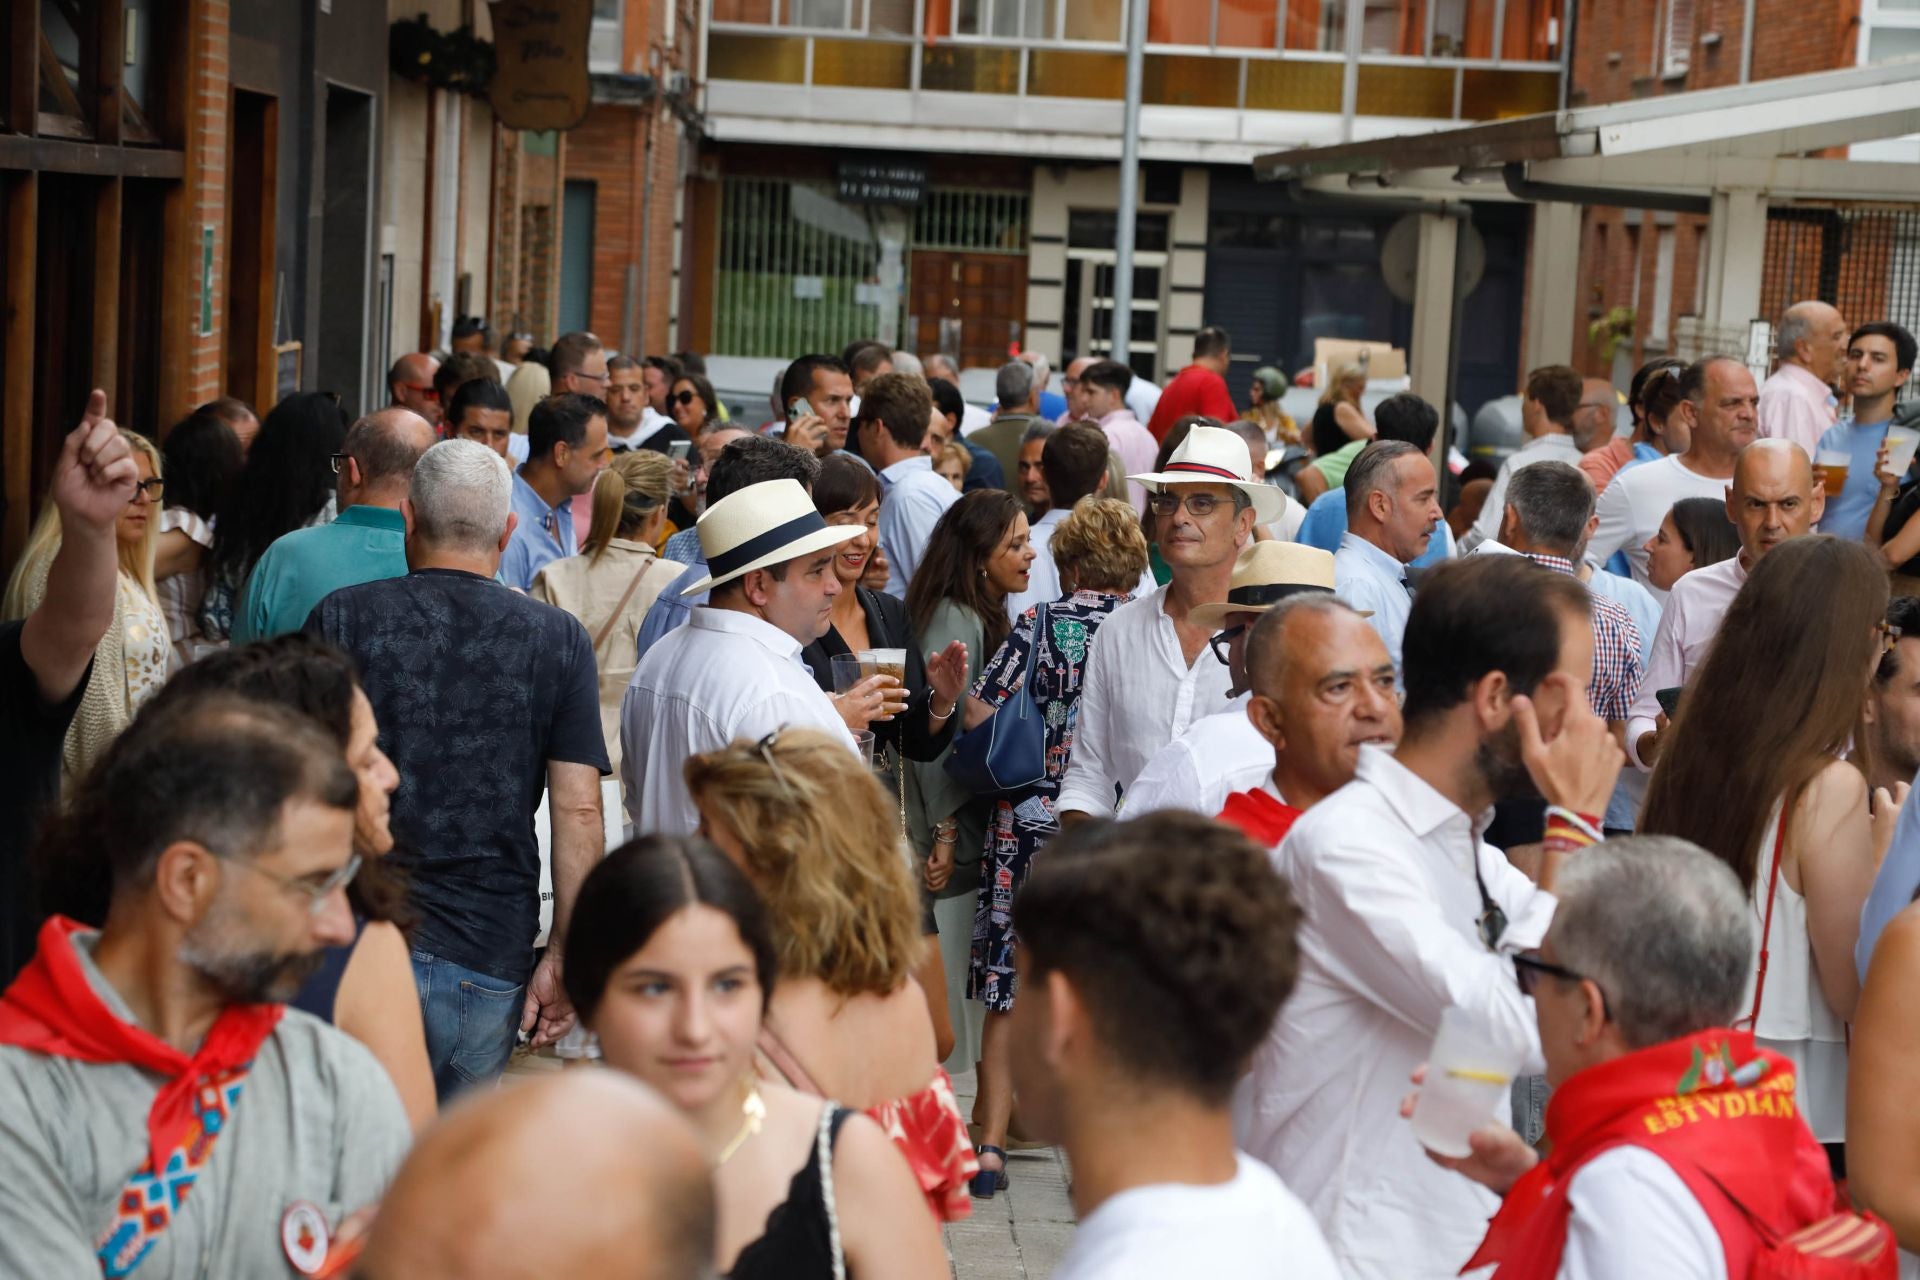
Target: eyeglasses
[1198,505]
[337,461]
[1528,968]
[153,488]
[593,377]
[1221,642]
[682,398]
[427,392]
[315,894]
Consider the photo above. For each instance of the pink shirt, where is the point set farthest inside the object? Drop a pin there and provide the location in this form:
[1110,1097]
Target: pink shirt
[1604,463]
[1796,406]
[1134,443]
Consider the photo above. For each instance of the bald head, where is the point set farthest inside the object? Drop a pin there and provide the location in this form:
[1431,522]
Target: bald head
[482,1196]
[382,449]
[411,383]
[939,366]
[1813,335]
[1323,688]
[1773,496]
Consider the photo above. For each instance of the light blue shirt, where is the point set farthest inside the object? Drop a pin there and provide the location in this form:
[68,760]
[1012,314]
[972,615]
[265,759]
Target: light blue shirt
[915,499]
[1326,523]
[669,609]
[1894,886]
[1623,806]
[1847,512]
[1368,578]
[544,534]
[684,547]
[302,568]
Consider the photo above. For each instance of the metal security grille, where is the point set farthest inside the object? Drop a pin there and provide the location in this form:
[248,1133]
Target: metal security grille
[972,221]
[1865,260]
[797,270]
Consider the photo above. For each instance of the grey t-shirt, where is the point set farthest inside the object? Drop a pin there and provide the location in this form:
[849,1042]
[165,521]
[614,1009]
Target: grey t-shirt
[317,1120]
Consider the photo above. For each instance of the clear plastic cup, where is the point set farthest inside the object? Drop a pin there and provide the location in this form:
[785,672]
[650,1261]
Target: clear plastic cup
[863,742]
[892,663]
[1467,1085]
[1902,444]
[1833,465]
[846,671]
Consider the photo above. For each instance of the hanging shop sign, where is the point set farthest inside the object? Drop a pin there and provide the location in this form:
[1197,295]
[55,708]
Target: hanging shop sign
[540,63]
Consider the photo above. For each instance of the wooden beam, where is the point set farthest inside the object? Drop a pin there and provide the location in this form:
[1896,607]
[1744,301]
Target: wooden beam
[16,388]
[23,84]
[104,82]
[105,320]
[56,155]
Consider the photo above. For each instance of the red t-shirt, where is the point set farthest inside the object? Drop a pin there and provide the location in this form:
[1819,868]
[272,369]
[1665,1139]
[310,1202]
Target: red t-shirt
[1195,389]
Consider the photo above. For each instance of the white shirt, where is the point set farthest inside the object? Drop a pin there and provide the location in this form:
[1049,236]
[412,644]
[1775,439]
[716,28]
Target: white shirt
[1137,695]
[915,499]
[1632,1217]
[1368,578]
[1636,502]
[1249,1228]
[1553,447]
[651,424]
[1043,575]
[722,676]
[1143,398]
[1695,608]
[1383,870]
[1198,770]
[972,418]
[1795,405]
[1285,527]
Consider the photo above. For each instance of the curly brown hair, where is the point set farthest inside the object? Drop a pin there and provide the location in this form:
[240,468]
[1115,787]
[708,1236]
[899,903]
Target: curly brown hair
[823,847]
[1176,933]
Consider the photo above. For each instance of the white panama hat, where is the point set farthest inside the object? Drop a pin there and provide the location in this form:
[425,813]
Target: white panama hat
[763,524]
[1214,455]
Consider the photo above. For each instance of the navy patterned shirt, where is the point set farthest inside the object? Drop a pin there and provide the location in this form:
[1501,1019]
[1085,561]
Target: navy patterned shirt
[476,687]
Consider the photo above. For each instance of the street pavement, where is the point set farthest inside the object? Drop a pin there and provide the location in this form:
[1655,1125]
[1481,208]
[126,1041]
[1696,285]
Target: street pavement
[1021,1232]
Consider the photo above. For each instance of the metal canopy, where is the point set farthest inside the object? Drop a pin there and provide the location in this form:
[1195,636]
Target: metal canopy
[1708,139]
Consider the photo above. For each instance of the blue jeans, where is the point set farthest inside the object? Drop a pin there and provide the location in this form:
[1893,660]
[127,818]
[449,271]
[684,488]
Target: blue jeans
[472,1019]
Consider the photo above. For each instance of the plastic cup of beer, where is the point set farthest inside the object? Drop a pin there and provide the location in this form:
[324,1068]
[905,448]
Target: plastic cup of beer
[846,671]
[893,663]
[1468,1079]
[1902,444]
[1833,469]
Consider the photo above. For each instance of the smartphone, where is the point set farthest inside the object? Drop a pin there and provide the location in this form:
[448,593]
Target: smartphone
[679,449]
[799,408]
[1669,700]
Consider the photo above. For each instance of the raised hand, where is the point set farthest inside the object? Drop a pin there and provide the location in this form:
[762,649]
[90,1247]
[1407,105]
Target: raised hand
[947,673]
[1578,768]
[807,433]
[94,479]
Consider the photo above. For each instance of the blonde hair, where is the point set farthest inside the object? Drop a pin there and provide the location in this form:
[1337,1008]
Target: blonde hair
[530,384]
[634,486]
[1102,542]
[824,849]
[954,451]
[1338,377]
[136,561]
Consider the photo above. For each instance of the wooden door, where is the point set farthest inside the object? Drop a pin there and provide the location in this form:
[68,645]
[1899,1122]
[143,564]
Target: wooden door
[973,306]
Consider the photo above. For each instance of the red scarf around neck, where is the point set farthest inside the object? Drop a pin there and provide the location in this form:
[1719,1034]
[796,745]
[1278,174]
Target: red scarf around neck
[1265,819]
[1718,1109]
[51,1008]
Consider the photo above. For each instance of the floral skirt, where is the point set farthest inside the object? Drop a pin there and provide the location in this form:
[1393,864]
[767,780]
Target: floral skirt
[1014,834]
[927,1128]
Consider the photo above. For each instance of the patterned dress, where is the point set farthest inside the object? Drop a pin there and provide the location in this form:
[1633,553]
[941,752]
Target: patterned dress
[1022,822]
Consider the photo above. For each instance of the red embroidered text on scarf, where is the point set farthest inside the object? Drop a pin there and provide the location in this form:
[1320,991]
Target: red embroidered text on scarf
[1715,1107]
[51,1008]
[1265,819]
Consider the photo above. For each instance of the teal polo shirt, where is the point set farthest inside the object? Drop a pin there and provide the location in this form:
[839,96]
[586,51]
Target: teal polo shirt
[365,544]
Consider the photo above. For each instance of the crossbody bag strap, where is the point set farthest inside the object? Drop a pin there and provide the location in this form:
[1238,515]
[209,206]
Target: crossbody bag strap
[1033,652]
[776,1052]
[613,619]
[1766,925]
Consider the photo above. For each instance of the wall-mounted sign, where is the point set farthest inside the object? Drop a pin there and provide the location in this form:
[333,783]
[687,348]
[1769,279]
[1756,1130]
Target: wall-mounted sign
[206,280]
[882,182]
[540,63]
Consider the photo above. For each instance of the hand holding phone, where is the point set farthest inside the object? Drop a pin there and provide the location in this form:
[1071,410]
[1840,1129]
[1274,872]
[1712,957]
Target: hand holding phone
[679,449]
[1669,700]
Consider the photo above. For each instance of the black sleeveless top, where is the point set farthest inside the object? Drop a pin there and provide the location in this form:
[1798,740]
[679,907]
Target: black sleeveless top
[322,987]
[1326,433]
[802,1239]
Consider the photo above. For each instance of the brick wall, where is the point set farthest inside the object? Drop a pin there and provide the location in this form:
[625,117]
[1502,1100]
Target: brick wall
[206,195]
[1617,57]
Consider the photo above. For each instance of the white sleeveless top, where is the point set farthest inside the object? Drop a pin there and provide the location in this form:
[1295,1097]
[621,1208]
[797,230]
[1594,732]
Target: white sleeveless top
[1795,1020]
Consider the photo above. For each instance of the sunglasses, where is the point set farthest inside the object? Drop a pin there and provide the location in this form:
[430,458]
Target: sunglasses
[682,398]
[1529,968]
[427,392]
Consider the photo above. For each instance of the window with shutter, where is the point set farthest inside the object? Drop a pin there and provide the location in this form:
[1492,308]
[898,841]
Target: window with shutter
[1677,46]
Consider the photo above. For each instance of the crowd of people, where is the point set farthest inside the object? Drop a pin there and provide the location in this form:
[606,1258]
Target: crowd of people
[1248,803]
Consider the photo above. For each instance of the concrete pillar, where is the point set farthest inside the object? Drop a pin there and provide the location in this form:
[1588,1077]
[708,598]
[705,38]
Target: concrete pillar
[1553,281]
[1736,249]
[1430,348]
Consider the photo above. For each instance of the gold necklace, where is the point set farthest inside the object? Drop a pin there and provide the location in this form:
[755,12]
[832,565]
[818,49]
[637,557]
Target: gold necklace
[753,1114]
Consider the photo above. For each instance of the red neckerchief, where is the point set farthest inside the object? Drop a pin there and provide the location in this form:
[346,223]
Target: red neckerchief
[1262,817]
[1715,1107]
[51,1008]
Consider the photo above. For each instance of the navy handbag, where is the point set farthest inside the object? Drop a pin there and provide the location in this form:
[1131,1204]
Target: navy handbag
[1008,751]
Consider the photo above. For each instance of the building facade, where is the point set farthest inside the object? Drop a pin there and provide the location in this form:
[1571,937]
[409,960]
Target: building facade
[943,175]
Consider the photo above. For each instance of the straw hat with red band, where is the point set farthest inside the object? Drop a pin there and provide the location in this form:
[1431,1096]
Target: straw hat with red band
[763,524]
[1214,455]
[1265,574]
